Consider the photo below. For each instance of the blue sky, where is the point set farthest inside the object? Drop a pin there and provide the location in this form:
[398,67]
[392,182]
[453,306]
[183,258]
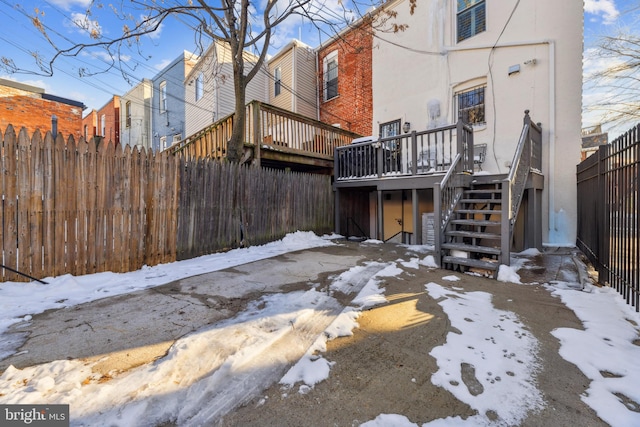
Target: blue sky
[21,36]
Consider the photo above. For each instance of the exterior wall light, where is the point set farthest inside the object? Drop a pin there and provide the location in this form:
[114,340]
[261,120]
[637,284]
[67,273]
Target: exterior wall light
[406,127]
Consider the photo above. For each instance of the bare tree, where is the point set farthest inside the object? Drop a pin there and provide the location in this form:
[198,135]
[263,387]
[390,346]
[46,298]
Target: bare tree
[616,78]
[239,23]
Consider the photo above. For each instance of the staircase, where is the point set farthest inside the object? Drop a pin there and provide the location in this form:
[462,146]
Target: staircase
[477,217]
[473,238]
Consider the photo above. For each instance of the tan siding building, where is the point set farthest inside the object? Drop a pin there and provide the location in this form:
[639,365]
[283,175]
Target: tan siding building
[292,82]
[209,91]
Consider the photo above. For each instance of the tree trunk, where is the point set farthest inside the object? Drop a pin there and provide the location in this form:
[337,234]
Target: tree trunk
[235,146]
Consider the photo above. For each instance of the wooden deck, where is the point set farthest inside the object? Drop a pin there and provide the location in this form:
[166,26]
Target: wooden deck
[408,161]
[274,138]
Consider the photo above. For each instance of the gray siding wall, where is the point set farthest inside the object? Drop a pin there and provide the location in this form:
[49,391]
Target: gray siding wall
[170,123]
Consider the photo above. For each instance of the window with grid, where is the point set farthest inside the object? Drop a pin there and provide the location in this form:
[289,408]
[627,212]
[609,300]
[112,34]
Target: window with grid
[277,76]
[163,97]
[471,18]
[331,76]
[471,105]
[199,86]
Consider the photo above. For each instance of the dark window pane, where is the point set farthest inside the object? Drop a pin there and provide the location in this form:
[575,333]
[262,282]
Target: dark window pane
[471,105]
[471,20]
[332,79]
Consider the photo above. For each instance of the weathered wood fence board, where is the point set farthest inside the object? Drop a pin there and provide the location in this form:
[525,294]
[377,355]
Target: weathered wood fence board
[81,207]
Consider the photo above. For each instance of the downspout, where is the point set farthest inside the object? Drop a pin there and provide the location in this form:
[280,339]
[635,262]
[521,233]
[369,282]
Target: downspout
[317,88]
[294,68]
[552,136]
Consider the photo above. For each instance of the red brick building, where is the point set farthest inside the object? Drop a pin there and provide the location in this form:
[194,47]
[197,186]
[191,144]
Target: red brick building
[23,105]
[104,122]
[345,82]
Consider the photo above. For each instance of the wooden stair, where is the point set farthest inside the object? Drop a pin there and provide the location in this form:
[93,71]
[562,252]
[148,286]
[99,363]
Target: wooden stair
[472,239]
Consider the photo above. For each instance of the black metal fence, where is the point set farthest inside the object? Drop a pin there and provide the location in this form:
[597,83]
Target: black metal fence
[608,222]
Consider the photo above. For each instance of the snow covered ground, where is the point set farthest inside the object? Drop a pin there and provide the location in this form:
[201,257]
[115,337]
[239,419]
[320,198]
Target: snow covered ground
[493,345]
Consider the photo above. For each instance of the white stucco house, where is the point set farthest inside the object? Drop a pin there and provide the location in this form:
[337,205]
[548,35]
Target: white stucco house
[486,62]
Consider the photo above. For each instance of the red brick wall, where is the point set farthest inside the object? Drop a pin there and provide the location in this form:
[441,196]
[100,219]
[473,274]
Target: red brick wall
[353,107]
[90,122]
[25,109]
[111,111]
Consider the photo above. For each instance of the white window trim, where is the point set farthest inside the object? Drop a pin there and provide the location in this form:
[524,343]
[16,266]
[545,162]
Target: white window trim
[163,96]
[468,88]
[277,85]
[325,64]
[199,87]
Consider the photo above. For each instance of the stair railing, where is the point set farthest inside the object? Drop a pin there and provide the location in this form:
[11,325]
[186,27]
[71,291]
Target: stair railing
[449,191]
[527,157]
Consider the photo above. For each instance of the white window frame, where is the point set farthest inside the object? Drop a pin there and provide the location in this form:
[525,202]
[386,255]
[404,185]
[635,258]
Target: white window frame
[163,96]
[199,89]
[471,104]
[327,67]
[277,78]
[103,125]
[471,18]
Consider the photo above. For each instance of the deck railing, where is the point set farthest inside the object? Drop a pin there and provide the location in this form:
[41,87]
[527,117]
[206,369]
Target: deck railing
[267,127]
[415,153]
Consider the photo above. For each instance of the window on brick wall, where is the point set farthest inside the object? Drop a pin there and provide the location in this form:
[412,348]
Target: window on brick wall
[471,18]
[103,125]
[330,75]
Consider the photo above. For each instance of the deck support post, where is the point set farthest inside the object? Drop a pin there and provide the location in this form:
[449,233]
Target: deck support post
[257,132]
[380,222]
[417,223]
[336,211]
[505,227]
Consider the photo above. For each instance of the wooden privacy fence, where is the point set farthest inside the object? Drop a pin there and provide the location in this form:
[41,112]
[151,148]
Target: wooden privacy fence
[608,214]
[227,205]
[81,207]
